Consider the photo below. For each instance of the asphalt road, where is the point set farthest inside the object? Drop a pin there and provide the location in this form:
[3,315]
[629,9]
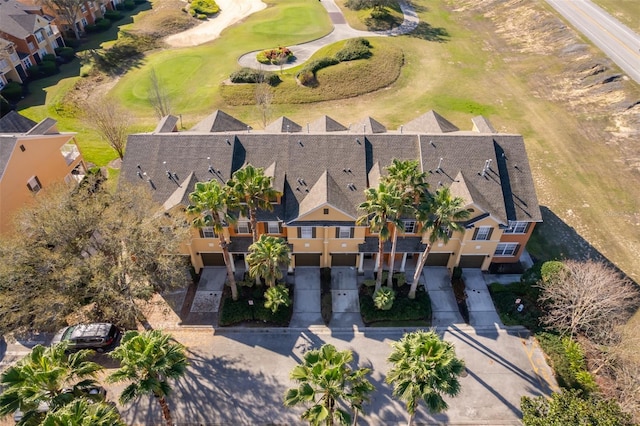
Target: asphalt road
[616,40]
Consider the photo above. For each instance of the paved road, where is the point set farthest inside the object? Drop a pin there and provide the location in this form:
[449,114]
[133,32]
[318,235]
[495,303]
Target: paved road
[616,40]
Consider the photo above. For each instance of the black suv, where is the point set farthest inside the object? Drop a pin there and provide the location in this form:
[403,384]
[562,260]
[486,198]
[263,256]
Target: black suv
[98,336]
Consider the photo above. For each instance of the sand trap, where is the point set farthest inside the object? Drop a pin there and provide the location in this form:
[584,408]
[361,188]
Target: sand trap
[231,11]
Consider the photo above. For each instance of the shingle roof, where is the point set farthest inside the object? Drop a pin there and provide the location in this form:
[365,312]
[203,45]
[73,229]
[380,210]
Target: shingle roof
[482,125]
[368,126]
[46,126]
[7,145]
[219,121]
[326,124]
[404,245]
[314,169]
[430,122]
[167,124]
[283,125]
[16,21]
[15,123]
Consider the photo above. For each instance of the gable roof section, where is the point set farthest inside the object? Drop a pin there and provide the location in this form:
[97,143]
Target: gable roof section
[325,192]
[15,123]
[46,126]
[16,20]
[430,122]
[167,124]
[482,125]
[326,124]
[368,126]
[219,121]
[283,125]
[181,194]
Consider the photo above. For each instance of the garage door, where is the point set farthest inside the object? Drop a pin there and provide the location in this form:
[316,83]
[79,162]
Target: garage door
[212,259]
[438,259]
[343,259]
[307,259]
[471,261]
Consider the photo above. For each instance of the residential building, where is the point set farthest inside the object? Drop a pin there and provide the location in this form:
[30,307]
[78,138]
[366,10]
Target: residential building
[88,12]
[32,157]
[32,34]
[11,68]
[321,170]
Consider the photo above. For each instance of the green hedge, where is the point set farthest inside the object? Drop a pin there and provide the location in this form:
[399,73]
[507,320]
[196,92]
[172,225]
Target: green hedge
[239,311]
[249,75]
[12,91]
[66,53]
[205,7]
[113,15]
[403,309]
[567,361]
[355,48]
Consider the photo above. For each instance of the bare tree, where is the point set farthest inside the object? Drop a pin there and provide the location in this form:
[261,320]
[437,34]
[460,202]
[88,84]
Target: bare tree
[68,10]
[264,98]
[111,122]
[587,297]
[158,96]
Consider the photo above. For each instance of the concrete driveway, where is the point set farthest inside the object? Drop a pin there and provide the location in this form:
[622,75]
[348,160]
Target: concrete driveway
[306,300]
[482,312]
[239,377]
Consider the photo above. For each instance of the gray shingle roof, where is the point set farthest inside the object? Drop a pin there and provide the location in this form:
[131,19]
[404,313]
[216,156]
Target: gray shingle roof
[430,122]
[16,21]
[219,121]
[313,169]
[15,123]
[46,126]
[326,124]
[283,125]
[404,245]
[368,126]
[167,124]
[482,125]
[7,145]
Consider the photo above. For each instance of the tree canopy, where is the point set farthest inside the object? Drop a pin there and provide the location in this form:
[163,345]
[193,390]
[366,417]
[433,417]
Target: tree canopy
[87,251]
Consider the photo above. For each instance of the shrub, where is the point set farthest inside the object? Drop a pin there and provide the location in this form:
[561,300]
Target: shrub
[504,298]
[355,48]
[205,7]
[275,297]
[34,71]
[66,53]
[403,309]
[567,360]
[113,15]
[306,78]
[383,298]
[550,269]
[49,57]
[120,6]
[532,275]
[129,5]
[272,56]
[91,28]
[103,24]
[369,283]
[48,68]
[317,64]
[12,91]
[400,278]
[201,16]
[72,43]
[249,75]
[139,2]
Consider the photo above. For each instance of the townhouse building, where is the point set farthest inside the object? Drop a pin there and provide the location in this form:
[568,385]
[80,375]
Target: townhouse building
[32,157]
[321,170]
[32,35]
[11,68]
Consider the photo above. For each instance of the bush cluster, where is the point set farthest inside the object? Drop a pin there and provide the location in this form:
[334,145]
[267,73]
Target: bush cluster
[403,309]
[204,7]
[355,48]
[113,15]
[235,312]
[249,75]
[43,69]
[567,360]
[505,296]
[12,91]
[99,26]
[271,56]
[66,53]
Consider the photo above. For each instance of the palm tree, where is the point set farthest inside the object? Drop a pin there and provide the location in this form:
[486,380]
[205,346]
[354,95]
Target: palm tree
[439,215]
[251,190]
[424,368]
[209,204]
[149,360]
[412,185]
[82,412]
[326,380]
[265,257]
[381,205]
[40,380]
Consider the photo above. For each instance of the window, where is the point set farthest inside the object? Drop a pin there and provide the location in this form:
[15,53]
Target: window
[34,184]
[49,30]
[3,64]
[273,227]
[409,226]
[306,232]
[27,62]
[243,228]
[325,211]
[83,8]
[40,36]
[207,232]
[31,46]
[517,227]
[2,83]
[84,22]
[506,249]
[345,232]
[482,233]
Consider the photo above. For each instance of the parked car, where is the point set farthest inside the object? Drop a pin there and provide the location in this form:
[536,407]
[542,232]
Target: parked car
[97,336]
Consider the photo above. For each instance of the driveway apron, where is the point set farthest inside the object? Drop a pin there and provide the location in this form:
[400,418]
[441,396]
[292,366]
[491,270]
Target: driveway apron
[306,299]
[344,298]
[443,303]
[482,312]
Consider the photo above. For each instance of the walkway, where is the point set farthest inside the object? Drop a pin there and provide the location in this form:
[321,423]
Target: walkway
[341,31]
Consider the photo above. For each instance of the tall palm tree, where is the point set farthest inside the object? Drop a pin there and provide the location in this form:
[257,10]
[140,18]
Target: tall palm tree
[251,190]
[149,360]
[82,412]
[412,186]
[424,367]
[325,380]
[40,378]
[381,205]
[265,257]
[439,215]
[209,205]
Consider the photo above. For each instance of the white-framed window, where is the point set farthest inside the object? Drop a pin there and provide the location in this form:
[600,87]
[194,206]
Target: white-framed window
[3,64]
[31,46]
[410,226]
[34,184]
[48,30]
[306,232]
[208,232]
[243,228]
[43,52]
[482,233]
[516,227]
[39,36]
[83,8]
[84,22]
[344,232]
[273,227]
[506,249]
[27,62]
